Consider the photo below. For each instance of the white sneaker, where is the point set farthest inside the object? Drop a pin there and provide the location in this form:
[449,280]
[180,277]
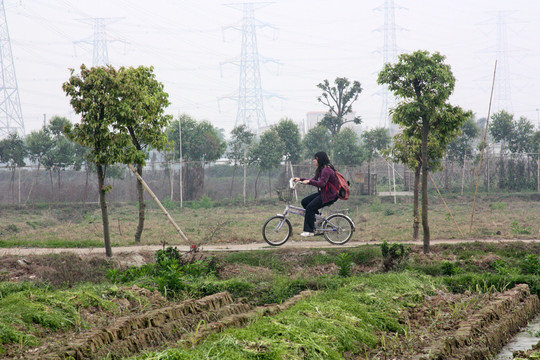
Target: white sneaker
[305,233]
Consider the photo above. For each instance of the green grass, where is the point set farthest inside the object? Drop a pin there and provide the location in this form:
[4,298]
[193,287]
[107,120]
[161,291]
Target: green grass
[350,314]
[328,325]
[29,311]
[376,219]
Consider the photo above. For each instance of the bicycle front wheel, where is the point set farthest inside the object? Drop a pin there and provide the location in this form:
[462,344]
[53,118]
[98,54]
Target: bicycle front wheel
[277,230]
[338,229]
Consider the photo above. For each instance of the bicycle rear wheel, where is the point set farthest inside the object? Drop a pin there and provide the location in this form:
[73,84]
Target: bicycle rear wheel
[338,229]
[277,230]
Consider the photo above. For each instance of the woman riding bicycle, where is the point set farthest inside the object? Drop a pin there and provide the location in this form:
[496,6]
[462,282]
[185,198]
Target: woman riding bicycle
[326,180]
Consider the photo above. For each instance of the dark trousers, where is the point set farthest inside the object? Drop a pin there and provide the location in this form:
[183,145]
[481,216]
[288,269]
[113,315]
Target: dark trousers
[312,203]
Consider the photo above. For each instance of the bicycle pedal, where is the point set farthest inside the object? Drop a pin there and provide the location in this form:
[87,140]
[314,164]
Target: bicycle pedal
[318,234]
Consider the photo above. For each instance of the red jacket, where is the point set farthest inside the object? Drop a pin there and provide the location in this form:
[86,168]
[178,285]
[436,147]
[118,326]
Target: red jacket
[327,177]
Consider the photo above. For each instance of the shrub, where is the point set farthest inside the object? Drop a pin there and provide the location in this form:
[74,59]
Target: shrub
[204,203]
[389,212]
[449,268]
[344,262]
[393,255]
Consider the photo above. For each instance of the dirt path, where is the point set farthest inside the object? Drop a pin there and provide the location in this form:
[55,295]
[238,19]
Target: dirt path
[234,247]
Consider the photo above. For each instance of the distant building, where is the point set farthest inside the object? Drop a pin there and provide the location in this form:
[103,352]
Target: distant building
[313,117]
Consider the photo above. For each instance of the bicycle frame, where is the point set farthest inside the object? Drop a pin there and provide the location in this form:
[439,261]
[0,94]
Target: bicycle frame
[290,209]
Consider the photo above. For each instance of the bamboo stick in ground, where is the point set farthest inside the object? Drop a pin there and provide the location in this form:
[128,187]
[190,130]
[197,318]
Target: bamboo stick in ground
[171,220]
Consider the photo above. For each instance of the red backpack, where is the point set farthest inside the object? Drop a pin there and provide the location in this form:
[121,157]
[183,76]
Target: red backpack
[344,190]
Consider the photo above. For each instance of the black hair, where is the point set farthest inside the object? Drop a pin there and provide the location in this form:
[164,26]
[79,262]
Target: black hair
[322,161]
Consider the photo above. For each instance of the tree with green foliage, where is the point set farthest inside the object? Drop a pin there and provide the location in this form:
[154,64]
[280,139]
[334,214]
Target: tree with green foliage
[57,159]
[317,139]
[501,128]
[425,83]
[521,146]
[373,142]
[142,115]
[462,147]
[407,149]
[267,154]
[95,95]
[338,98]
[520,142]
[242,139]
[289,133]
[13,152]
[514,136]
[346,148]
[61,155]
[201,143]
[38,143]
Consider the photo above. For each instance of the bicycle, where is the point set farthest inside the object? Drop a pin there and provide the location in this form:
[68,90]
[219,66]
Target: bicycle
[337,228]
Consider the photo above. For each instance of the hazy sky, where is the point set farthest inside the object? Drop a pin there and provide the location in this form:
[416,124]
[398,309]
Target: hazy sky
[312,40]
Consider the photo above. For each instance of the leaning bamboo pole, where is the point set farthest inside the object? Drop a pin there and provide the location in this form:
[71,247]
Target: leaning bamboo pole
[158,202]
[483,147]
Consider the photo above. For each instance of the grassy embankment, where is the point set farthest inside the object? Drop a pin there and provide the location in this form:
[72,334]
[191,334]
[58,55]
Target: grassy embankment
[354,312]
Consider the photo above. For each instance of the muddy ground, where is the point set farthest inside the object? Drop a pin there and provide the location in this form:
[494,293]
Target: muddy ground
[441,317]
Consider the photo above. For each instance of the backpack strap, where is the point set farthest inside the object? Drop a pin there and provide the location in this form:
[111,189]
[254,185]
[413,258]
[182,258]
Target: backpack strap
[332,184]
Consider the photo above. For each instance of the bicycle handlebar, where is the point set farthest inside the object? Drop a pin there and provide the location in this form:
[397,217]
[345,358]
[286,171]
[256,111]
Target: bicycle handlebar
[293,184]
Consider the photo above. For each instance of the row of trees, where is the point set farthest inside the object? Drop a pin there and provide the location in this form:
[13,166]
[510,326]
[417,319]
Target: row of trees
[122,118]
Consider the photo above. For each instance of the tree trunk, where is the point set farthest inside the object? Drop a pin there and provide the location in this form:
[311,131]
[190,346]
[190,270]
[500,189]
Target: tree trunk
[142,205]
[232,182]
[86,184]
[171,182]
[425,161]
[12,186]
[369,176]
[446,177]
[256,181]
[104,213]
[416,210]
[245,176]
[58,195]
[52,185]
[463,174]
[270,183]
[34,183]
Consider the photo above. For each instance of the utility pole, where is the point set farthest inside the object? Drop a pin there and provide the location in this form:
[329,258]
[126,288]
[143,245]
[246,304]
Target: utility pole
[250,94]
[181,163]
[11,117]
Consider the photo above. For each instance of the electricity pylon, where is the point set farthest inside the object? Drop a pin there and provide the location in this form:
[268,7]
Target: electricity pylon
[250,94]
[11,118]
[502,96]
[389,52]
[99,40]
